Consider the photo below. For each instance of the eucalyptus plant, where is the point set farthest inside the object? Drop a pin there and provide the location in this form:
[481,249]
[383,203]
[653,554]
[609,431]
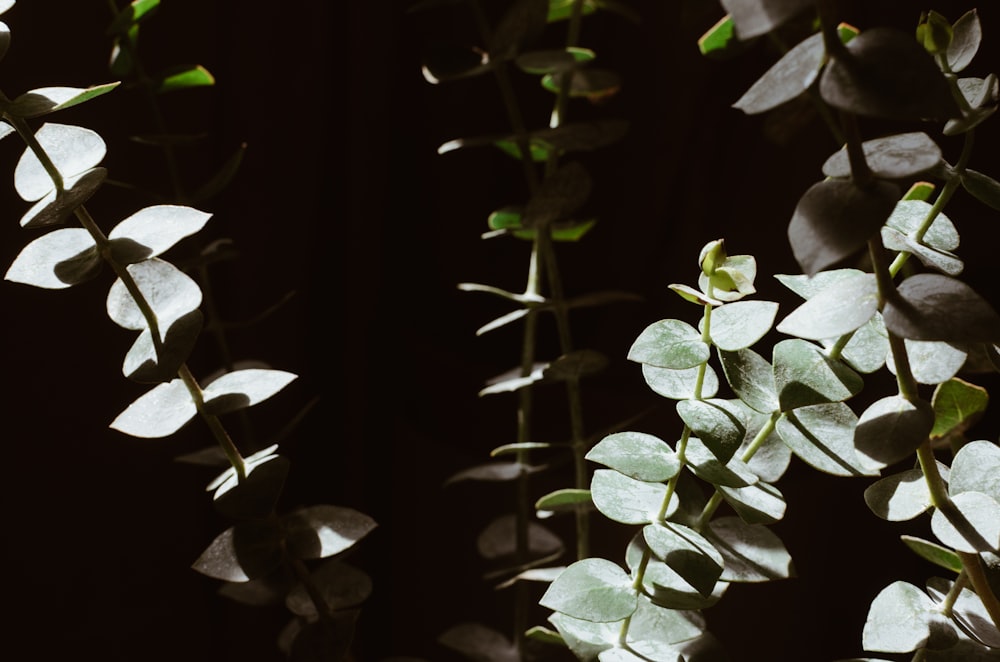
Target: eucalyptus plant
[265,556]
[881,289]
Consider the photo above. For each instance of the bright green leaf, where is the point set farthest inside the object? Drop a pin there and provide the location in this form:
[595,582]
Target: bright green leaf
[46,100]
[957,405]
[180,78]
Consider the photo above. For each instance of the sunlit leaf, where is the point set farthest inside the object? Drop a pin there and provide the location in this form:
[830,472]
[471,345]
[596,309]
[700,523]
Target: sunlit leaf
[751,378]
[717,423]
[55,208]
[256,495]
[687,552]
[628,500]
[977,527]
[839,309]
[57,260]
[976,468]
[586,639]
[760,503]
[636,454]
[740,324]
[244,388]
[752,552]
[160,227]
[566,500]
[148,364]
[707,466]
[72,149]
[868,347]
[179,78]
[931,361]
[593,590]
[910,215]
[968,611]
[823,437]
[316,532]
[804,375]
[720,40]
[899,497]
[170,293]
[680,384]
[50,99]
[899,619]
[158,413]
[560,10]
[935,553]
[809,286]
[670,344]
[943,261]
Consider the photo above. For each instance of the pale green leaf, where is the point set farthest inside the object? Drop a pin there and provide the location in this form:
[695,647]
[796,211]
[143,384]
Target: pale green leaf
[804,376]
[752,552]
[686,552]
[680,384]
[707,466]
[740,324]
[627,500]
[586,639]
[935,553]
[976,468]
[670,344]
[718,424]
[57,260]
[968,611]
[839,309]
[957,405]
[931,361]
[594,589]
[823,437]
[760,503]
[72,149]
[899,497]
[751,378]
[892,428]
[636,454]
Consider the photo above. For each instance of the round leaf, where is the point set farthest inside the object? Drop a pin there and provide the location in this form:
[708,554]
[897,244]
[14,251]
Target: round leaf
[670,344]
[72,149]
[158,413]
[899,497]
[244,388]
[56,260]
[718,424]
[627,500]
[159,227]
[317,532]
[892,428]
[169,292]
[935,307]
[751,378]
[740,324]
[751,552]
[892,157]
[842,308]
[823,437]
[977,527]
[976,468]
[787,78]
[594,590]
[804,376]
[898,619]
[680,384]
[637,455]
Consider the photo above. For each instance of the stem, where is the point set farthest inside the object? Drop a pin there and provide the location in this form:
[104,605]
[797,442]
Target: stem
[956,589]
[977,577]
[886,290]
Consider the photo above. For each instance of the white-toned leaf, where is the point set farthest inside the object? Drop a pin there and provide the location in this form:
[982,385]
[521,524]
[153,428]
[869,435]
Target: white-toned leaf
[976,468]
[158,413]
[53,208]
[250,386]
[740,324]
[898,620]
[841,308]
[931,361]
[50,99]
[680,384]
[72,149]
[36,264]
[595,590]
[169,292]
[627,500]
[316,532]
[160,227]
[978,527]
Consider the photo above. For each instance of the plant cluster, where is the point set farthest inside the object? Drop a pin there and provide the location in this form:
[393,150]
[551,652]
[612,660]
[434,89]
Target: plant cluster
[265,556]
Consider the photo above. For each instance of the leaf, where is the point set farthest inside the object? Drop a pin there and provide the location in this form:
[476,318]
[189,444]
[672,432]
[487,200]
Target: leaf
[966,37]
[760,503]
[787,78]
[809,286]
[243,552]
[834,219]
[593,590]
[892,428]
[664,585]
[886,73]
[899,620]
[478,642]
[54,208]
[935,553]
[868,347]
[57,260]
[652,629]
[823,437]
[732,280]
[158,413]
[144,364]
[46,100]
[341,586]
[897,156]
[637,455]
[553,61]
[718,424]
[169,292]
[720,40]
[686,552]
[158,228]
[936,307]
[982,188]
[772,457]
[523,22]
[910,215]
[680,384]
[943,261]
[804,375]
[564,500]
[740,324]
[706,466]
[976,468]
[957,405]
[132,14]
[628,500]
[670,344]
[244,388]
[493,472]
[256,495]
[575,365]
[72,149]
[899,497]
[499,539]
[976,527]
[751,378]
[561,10]
[756,17]
[317,532]
[968,611]
[843,307]
[931,362]
[561,194]
[182,77]
[446,62]
[752,553]
[594,84]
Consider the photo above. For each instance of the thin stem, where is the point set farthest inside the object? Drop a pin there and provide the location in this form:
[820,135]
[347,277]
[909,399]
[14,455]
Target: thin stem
[977,577]
[886,290]
[956,589]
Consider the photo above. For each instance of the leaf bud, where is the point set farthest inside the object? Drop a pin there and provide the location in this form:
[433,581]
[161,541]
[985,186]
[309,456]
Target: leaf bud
[934,32]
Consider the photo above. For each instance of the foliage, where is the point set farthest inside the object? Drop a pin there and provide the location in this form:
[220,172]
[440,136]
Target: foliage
[265,556]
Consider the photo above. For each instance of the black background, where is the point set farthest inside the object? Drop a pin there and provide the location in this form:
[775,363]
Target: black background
[343,200]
